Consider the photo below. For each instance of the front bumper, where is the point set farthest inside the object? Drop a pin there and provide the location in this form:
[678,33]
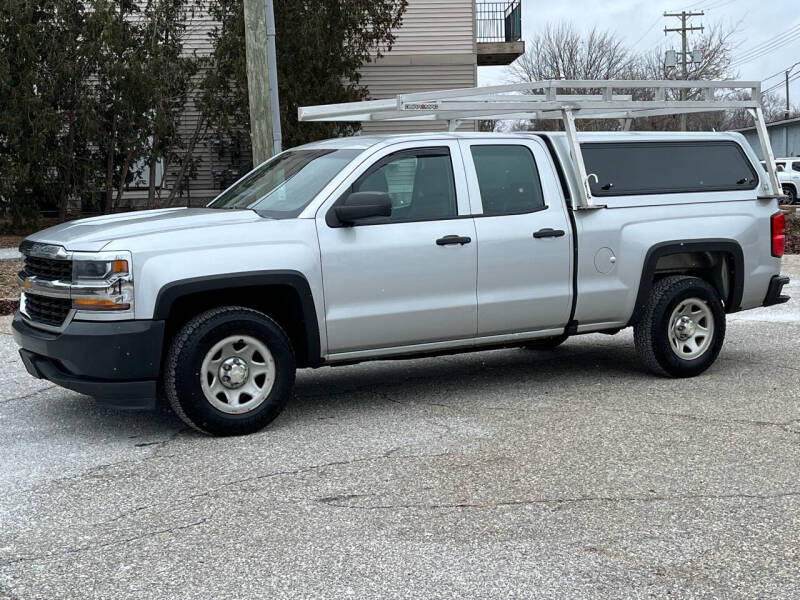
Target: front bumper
[115,361]
[774,290]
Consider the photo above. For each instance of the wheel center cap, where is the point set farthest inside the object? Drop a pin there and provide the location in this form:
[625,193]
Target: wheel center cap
[685,328]
[233,372]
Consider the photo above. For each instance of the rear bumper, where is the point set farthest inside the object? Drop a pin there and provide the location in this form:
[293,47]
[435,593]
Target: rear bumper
[774,290]
[116,362]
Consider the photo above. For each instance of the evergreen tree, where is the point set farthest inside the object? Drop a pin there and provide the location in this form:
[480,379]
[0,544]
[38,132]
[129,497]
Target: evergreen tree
[320,47]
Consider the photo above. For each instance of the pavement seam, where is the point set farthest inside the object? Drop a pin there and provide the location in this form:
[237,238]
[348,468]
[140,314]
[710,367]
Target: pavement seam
[26,396]
[557,501]
[100,546]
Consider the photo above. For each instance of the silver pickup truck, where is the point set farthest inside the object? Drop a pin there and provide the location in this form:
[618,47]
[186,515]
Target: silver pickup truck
[367,248]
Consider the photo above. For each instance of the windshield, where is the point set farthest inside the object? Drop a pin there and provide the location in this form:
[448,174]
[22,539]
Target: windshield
[282,187]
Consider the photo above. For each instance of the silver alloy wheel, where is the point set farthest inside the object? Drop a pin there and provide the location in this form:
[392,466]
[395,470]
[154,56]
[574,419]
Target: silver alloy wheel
[237,374]
[691,328]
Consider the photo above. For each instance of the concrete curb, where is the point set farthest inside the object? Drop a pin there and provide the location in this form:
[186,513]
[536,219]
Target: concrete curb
[10,254]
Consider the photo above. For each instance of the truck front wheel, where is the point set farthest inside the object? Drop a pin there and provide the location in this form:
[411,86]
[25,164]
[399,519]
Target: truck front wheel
[682,327]
[229,371]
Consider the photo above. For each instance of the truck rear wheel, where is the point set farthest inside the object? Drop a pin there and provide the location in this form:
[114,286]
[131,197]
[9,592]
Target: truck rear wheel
[682,327]
[229,371]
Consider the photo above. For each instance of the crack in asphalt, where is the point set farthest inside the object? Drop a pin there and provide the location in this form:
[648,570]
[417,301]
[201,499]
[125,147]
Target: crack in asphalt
[785,425]
[236,484]
[100,546]
[26,396]
[157,446]
[333,501]
[757,362]
[337,463]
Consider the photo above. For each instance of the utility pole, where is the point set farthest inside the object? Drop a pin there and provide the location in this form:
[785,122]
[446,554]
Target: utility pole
[272,71]
[786,74]
[262,80]
[788,106]
[684,16]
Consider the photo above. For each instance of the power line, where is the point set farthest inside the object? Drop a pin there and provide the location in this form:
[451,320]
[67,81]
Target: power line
[794,77]
[708,5]
[768,41]
[768,45]
[781,72]
[644,35]
[714,4]
[765,52]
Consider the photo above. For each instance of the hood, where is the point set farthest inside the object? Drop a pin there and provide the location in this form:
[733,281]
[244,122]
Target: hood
[94,233]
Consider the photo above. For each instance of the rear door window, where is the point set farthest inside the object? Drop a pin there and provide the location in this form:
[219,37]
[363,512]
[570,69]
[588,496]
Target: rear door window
[508,179]
[632,168]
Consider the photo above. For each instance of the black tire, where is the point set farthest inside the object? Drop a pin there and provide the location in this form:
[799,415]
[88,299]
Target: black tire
[651,332]
[789,191]
[550,343]
[181,379]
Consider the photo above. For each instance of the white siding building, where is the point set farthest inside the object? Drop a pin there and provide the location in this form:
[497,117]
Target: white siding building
[440,45]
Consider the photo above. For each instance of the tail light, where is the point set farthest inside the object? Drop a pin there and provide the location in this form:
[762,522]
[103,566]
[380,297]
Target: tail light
[778,230]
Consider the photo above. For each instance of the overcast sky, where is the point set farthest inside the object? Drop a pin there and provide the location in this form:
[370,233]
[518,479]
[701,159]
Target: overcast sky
[768,30]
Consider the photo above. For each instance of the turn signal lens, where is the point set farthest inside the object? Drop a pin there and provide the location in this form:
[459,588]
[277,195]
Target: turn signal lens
[119,266]
[99,304]
[778,230]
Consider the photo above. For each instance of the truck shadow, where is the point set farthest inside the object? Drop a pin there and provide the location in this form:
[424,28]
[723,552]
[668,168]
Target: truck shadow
[450,378]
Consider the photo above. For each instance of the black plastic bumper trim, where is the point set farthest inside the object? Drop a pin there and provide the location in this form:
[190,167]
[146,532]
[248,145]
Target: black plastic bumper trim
[115,350]
[774,290]
[115,361]
[122,394]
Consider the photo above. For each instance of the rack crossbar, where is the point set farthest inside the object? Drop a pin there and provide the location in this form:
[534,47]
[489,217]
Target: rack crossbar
[595,99]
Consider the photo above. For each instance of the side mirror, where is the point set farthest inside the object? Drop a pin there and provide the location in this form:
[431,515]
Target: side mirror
[363,205]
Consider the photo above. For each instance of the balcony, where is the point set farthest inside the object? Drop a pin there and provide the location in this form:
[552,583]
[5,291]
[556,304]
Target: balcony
[498,29]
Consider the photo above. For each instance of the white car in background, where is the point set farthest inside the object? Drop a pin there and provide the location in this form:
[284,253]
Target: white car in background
[789,176]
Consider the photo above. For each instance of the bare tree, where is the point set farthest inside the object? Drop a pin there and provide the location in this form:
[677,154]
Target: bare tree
[774,110]
[563,52]
[716,47]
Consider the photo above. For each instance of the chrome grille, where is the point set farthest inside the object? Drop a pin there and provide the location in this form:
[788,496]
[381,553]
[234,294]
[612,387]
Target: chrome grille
[50,311]
[49,269]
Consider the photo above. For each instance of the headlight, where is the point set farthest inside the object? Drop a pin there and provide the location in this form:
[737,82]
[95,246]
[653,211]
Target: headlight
[102,281]
[98,269]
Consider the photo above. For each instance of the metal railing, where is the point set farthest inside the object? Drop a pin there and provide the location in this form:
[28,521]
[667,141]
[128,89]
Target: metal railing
[498,21]
[542,100]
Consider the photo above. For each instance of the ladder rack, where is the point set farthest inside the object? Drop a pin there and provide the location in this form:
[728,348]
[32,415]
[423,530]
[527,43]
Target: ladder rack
[566,100]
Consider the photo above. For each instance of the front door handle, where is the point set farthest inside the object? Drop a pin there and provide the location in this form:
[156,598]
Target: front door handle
[548,232]
[449,240]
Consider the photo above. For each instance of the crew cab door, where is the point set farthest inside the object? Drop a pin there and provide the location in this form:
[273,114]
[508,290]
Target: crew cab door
[524,236]
[410,278]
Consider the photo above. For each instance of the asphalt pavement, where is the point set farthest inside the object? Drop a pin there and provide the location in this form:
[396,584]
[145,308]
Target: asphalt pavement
[501,474]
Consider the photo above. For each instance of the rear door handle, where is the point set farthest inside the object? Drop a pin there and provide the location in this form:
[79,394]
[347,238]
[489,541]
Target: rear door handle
[548,232]
[449,240]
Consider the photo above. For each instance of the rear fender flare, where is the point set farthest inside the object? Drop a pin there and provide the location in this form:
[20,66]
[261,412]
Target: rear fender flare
[731,247]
